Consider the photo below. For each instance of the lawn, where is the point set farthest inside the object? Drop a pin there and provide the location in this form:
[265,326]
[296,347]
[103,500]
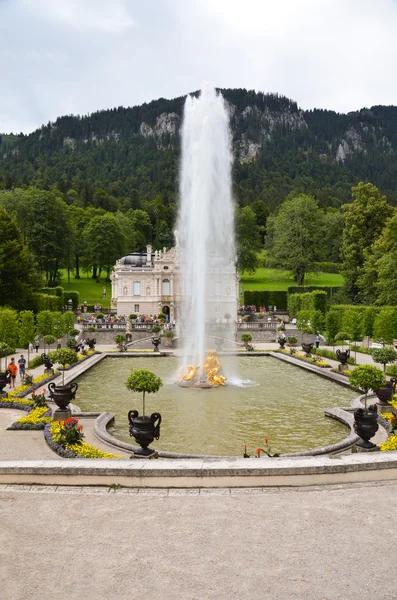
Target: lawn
[89,290]
[279,280]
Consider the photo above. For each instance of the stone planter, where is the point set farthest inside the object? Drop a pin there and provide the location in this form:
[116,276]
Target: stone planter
[385,394]
[3,382]
[366,425]
[91,344]
[343,356]
[307,348]
[62,395]
[282,342]
[144,430]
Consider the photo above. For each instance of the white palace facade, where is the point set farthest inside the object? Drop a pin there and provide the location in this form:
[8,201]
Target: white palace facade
[147,283]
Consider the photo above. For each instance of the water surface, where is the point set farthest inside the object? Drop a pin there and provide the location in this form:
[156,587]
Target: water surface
[269,399]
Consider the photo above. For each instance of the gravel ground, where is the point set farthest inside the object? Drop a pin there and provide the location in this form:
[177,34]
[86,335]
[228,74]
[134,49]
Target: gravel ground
[323,544]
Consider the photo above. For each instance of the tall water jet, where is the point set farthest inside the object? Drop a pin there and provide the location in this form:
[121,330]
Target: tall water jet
[206,221]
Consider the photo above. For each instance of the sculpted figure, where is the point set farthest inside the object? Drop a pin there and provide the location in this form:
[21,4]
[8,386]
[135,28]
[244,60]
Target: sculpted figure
[191,373]
[215,378]
[212,362]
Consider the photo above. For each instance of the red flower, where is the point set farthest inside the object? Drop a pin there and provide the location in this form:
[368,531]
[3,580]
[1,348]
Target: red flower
[266,441]
[80,428]
[258,452]
[245,446]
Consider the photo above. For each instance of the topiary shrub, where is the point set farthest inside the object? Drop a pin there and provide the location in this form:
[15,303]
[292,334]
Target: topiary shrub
[142,380]
[64,356]
[384,356]
[367,377]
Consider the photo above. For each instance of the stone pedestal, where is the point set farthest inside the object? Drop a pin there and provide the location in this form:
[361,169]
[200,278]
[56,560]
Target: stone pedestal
[49,371]
[385,407]
[154,454]
[342,368]
[61,414]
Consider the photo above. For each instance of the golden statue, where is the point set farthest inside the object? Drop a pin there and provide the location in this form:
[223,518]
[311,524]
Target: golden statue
[216,379]
[212,362]
[191,373]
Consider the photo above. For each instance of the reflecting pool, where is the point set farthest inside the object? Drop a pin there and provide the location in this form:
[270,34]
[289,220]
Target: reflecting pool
[271,399]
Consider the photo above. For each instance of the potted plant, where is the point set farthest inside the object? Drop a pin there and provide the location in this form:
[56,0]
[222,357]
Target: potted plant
[246,338]
[169,337]
[291,339]
[120,341]
[5,350]
[366,377]
[144,429]
[63,394]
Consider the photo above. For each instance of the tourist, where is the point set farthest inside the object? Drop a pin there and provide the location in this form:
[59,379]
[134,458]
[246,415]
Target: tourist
[13,370]
[317,340]
[22,366]
[30,347]
[274,308]
[37,345]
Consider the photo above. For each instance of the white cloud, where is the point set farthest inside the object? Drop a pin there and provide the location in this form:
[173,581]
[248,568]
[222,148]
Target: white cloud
[78,56]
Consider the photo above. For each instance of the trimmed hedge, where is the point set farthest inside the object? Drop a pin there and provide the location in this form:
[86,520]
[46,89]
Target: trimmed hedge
[46,302]
[302,290]
[56,291]
[266,298]
[310,301]
[74,296]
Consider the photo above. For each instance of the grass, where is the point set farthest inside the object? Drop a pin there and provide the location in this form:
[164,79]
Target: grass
[279,280]
[89,290]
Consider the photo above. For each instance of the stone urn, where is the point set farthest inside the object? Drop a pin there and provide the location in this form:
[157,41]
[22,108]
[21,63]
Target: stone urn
[3,382]
[366,425]
[156,341]
[385,394]
[307,348]
[91,344]
[62,395]
[343,356]
[144,430]
[282,341]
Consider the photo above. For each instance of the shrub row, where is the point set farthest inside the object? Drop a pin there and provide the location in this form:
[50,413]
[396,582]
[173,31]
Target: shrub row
[309,301]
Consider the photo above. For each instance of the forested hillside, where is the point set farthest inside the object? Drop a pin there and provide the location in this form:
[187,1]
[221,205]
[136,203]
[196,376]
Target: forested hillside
[126,157]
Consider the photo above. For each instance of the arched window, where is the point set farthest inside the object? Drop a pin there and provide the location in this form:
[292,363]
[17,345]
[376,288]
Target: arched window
[166,288]
[125,291]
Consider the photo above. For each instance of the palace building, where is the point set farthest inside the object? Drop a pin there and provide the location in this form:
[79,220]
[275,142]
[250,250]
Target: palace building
[147,283]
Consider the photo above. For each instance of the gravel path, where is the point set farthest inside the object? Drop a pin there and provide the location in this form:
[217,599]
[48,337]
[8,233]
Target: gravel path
[96,544]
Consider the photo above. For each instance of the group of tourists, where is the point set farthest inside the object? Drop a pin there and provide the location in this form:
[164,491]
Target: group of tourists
[262,309]
[13,368]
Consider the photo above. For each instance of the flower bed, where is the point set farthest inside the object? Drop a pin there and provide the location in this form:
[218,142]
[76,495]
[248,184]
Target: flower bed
[307,359]
[36,419]
[54,434]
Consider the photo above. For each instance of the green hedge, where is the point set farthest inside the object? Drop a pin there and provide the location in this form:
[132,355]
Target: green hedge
[56,291]
[74,296]
[330,291]
[266,298]
[310,301]
[46,302]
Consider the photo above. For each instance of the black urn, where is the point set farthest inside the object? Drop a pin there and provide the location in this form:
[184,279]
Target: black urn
[144,429]
[91,344]
[62,395]
[282,341]
[366,425]
[46,361]
[156,340]
[307,348]
[3,381]
[385,394]
[343,356]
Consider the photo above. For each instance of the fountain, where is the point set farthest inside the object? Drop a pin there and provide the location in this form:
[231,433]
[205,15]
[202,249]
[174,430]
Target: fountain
[206,232]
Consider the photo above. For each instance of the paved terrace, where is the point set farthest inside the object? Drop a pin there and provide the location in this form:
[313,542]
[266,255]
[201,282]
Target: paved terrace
[331,543]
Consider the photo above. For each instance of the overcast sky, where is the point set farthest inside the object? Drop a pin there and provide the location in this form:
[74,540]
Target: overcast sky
[76,56]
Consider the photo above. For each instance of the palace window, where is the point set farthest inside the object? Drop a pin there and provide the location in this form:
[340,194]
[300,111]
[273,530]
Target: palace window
[166,288]
[137,288]
[125,291]
[136,308]
[217,288]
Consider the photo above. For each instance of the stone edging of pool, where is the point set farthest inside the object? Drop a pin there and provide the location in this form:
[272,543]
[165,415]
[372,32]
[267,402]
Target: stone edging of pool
[204,473]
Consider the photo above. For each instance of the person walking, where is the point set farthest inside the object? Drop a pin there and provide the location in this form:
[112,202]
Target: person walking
[13,370]
[317,340]
[37,345]
[30,347]
[22,366]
